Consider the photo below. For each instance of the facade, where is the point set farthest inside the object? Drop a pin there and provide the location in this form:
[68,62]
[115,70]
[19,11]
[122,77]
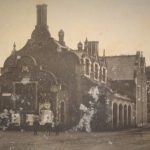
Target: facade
[128,77]
[48,75]
[148,93]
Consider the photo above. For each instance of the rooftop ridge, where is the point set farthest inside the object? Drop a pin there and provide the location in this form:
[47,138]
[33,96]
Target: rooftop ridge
[124,55]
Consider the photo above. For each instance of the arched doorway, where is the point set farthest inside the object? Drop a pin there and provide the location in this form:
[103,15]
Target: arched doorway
[47,89]
[125,115]
[120,116]
[114,115]
[129,115]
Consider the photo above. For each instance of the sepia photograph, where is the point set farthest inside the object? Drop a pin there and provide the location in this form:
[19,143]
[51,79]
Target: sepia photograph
[75,75]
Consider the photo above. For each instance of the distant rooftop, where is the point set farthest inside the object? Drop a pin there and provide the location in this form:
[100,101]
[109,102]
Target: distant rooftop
[121,67]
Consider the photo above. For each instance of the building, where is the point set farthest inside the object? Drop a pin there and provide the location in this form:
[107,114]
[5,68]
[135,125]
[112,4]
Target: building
[47,74]
[148,93]
[128,77]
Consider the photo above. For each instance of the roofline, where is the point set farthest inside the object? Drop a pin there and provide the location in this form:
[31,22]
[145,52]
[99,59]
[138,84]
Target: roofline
[120,56]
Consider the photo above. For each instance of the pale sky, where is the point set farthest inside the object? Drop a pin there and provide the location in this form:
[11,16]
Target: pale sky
[121,26]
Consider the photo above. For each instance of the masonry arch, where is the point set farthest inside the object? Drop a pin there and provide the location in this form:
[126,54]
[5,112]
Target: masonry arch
[125,115]
[129,115]
[120,116]
[115,109]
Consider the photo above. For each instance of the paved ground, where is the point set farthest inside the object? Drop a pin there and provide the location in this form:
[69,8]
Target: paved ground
[123,140]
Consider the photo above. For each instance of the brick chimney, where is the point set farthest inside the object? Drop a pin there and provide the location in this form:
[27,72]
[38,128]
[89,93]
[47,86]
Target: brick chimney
[41,32]
[42,15]
[92,48]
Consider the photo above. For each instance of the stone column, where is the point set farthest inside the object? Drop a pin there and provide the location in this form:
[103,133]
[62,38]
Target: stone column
[117,115]
[123,116]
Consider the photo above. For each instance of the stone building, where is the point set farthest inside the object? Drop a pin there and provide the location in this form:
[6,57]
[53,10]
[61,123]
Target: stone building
[148,93]
[47,74]
[128,77]
[46,71]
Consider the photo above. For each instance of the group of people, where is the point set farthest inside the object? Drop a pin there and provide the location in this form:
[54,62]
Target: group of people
[48,126]
[6,120]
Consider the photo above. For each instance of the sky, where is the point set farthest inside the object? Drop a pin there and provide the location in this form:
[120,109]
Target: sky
[122,27]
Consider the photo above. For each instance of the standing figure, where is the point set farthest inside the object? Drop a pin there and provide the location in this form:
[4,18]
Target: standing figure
[35,125]
[49,121]
[48,127]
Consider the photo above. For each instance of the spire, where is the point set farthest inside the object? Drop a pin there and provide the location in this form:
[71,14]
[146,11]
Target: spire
[14,49]
[104,57]
[86,44]
[104,53]
[80,46]
[14,46]
[86,40]
[141,53]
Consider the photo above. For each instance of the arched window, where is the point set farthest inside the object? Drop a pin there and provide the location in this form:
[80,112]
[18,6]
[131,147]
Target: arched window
[120,116]
[129,115]
[125,116]
[115,108]
[87,66]
[96,71]
[104,74]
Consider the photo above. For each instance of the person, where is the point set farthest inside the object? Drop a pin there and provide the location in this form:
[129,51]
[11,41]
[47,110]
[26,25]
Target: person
[49,127]
[36,125]
[5,119]
[49,121]
[57,127]
[4,123]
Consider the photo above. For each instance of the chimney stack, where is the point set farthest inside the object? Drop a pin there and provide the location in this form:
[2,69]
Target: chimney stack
[91,47]
[42,15]
[61,37]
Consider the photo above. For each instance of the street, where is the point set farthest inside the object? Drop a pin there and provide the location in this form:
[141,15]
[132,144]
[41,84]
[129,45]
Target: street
[134,139]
